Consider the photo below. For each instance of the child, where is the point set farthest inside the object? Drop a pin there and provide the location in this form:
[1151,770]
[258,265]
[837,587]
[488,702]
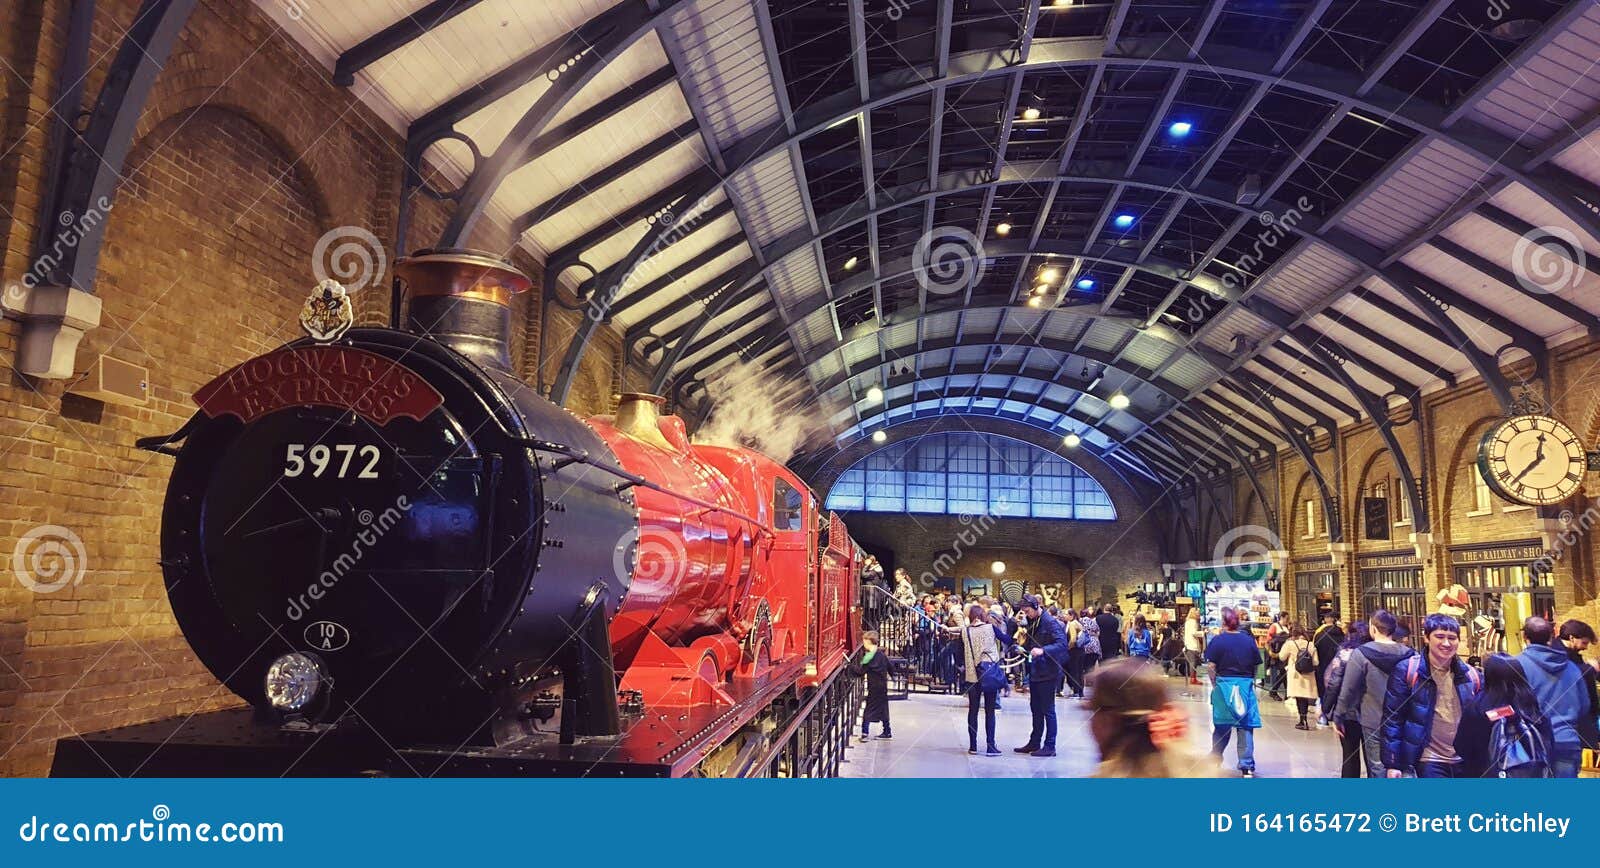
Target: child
[873,663]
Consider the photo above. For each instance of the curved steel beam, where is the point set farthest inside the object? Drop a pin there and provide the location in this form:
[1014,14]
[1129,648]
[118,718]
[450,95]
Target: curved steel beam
[1380,419]
[91,161]
[592,47]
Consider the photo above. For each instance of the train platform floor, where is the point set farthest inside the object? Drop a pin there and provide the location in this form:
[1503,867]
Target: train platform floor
[930,741]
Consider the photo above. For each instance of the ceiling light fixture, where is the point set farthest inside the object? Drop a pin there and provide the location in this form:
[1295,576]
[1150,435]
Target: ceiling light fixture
[850,264]
[1049,275]
[874,394]
[1071,441]
[1179,129]
[1119,401]
[1033,301]
[879,436]
[1002,229]
[1123,221]
[1031,113]
[1086,284]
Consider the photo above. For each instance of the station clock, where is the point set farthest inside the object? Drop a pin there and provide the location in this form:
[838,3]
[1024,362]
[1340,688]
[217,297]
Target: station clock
[1534,460]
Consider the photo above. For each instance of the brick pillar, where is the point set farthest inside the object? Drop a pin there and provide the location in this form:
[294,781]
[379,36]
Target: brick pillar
[1349,585]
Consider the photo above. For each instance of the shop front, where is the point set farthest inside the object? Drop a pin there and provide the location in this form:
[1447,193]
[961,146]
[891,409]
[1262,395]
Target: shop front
[1506,583]
[1393,581]
[1316,590]
[1252,589]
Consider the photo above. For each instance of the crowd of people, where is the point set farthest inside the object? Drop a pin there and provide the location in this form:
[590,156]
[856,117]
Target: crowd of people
[1397,710]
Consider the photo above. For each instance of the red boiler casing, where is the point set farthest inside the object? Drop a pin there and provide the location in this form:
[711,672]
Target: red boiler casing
[734,591]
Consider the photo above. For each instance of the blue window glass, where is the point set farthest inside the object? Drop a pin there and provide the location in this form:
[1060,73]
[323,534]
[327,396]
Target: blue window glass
[971,474]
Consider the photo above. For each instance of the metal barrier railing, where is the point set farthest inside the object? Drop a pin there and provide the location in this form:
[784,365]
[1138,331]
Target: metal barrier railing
[925,657]
[811,744]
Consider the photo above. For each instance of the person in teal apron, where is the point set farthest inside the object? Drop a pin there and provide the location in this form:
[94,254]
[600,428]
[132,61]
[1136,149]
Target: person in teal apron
[1231,659]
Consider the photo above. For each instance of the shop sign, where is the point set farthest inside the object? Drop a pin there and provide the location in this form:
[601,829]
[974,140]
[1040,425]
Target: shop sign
[1389,559]
[1517,553]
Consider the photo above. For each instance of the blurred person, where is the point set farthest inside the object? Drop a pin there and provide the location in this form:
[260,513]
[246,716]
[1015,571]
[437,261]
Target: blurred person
[903,591]
[1047,649]
[1423,706]
[1089,641]
[1348,728]
[1365,683]
[874,664]
[1563,696]
[1296,653]
[1328,640]
[1231,659]
[983,646]
[1139,732]
[1140,641]
[1110,633]
[1075,670]
[1576,637]
[1194,644]
[1504,734]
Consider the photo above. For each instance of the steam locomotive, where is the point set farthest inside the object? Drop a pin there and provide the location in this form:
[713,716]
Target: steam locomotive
[407,561]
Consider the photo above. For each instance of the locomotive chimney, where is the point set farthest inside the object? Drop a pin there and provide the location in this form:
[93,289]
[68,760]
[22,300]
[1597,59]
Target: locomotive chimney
[639,417]
[462,298]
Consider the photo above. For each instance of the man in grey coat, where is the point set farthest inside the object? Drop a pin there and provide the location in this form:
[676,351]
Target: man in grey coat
[1366,680]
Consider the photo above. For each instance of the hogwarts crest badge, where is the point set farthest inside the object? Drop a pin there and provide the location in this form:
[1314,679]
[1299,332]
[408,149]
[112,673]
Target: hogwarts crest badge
[327,313]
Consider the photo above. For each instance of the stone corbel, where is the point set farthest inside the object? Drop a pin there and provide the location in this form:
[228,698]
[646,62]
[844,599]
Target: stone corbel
[1422,545]
[1339,552]
[54,319]
[1279,558]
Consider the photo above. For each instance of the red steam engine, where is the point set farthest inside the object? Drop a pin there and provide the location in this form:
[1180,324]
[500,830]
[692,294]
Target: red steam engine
[408,562]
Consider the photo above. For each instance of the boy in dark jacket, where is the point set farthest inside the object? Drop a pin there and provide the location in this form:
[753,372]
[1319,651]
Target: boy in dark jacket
[1047,651]
[1365,682]
[874,663]
[1428,695]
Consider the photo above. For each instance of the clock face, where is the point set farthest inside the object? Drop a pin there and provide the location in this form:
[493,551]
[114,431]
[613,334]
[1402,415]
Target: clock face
[1532,460]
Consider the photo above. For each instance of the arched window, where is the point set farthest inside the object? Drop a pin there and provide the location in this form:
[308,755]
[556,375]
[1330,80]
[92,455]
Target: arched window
[971,474]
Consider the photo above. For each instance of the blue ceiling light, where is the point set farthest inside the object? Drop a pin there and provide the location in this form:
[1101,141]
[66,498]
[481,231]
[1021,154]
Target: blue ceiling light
[1086,284]
[1179,129]
[1123,221]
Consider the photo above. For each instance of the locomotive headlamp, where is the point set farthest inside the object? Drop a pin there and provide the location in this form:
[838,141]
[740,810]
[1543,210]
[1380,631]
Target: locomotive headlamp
[294,681]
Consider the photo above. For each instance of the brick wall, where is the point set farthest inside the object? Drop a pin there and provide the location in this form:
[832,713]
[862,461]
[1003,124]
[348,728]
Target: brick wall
[243,158]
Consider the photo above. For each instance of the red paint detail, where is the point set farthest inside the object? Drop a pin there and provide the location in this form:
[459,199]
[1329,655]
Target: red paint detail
[375,387]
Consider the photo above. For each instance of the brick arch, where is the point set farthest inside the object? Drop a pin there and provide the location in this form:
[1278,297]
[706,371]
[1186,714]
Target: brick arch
[1468,442]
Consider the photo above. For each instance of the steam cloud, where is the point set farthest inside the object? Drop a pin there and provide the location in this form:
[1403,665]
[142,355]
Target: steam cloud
[743,414]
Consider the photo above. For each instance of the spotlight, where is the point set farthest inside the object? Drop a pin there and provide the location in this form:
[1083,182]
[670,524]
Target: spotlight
[1123,221]
[997,567]
[1072,441]
[1086,284]
[874,394]
[1061,4]
[1179,129]
[850,264]
[879,436]
[1119,401]
[1048,275]
[1033,302]
[1002,229]
[1030,114]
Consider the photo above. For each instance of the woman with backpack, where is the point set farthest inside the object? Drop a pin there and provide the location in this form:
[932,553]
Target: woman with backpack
[1504,734]
[1347,723]
[1299,657]
[1139,639]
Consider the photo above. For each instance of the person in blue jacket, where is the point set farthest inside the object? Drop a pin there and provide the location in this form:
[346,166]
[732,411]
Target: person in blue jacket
[1563,696]
[1047,651]
[1427,697]
[1231,658]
